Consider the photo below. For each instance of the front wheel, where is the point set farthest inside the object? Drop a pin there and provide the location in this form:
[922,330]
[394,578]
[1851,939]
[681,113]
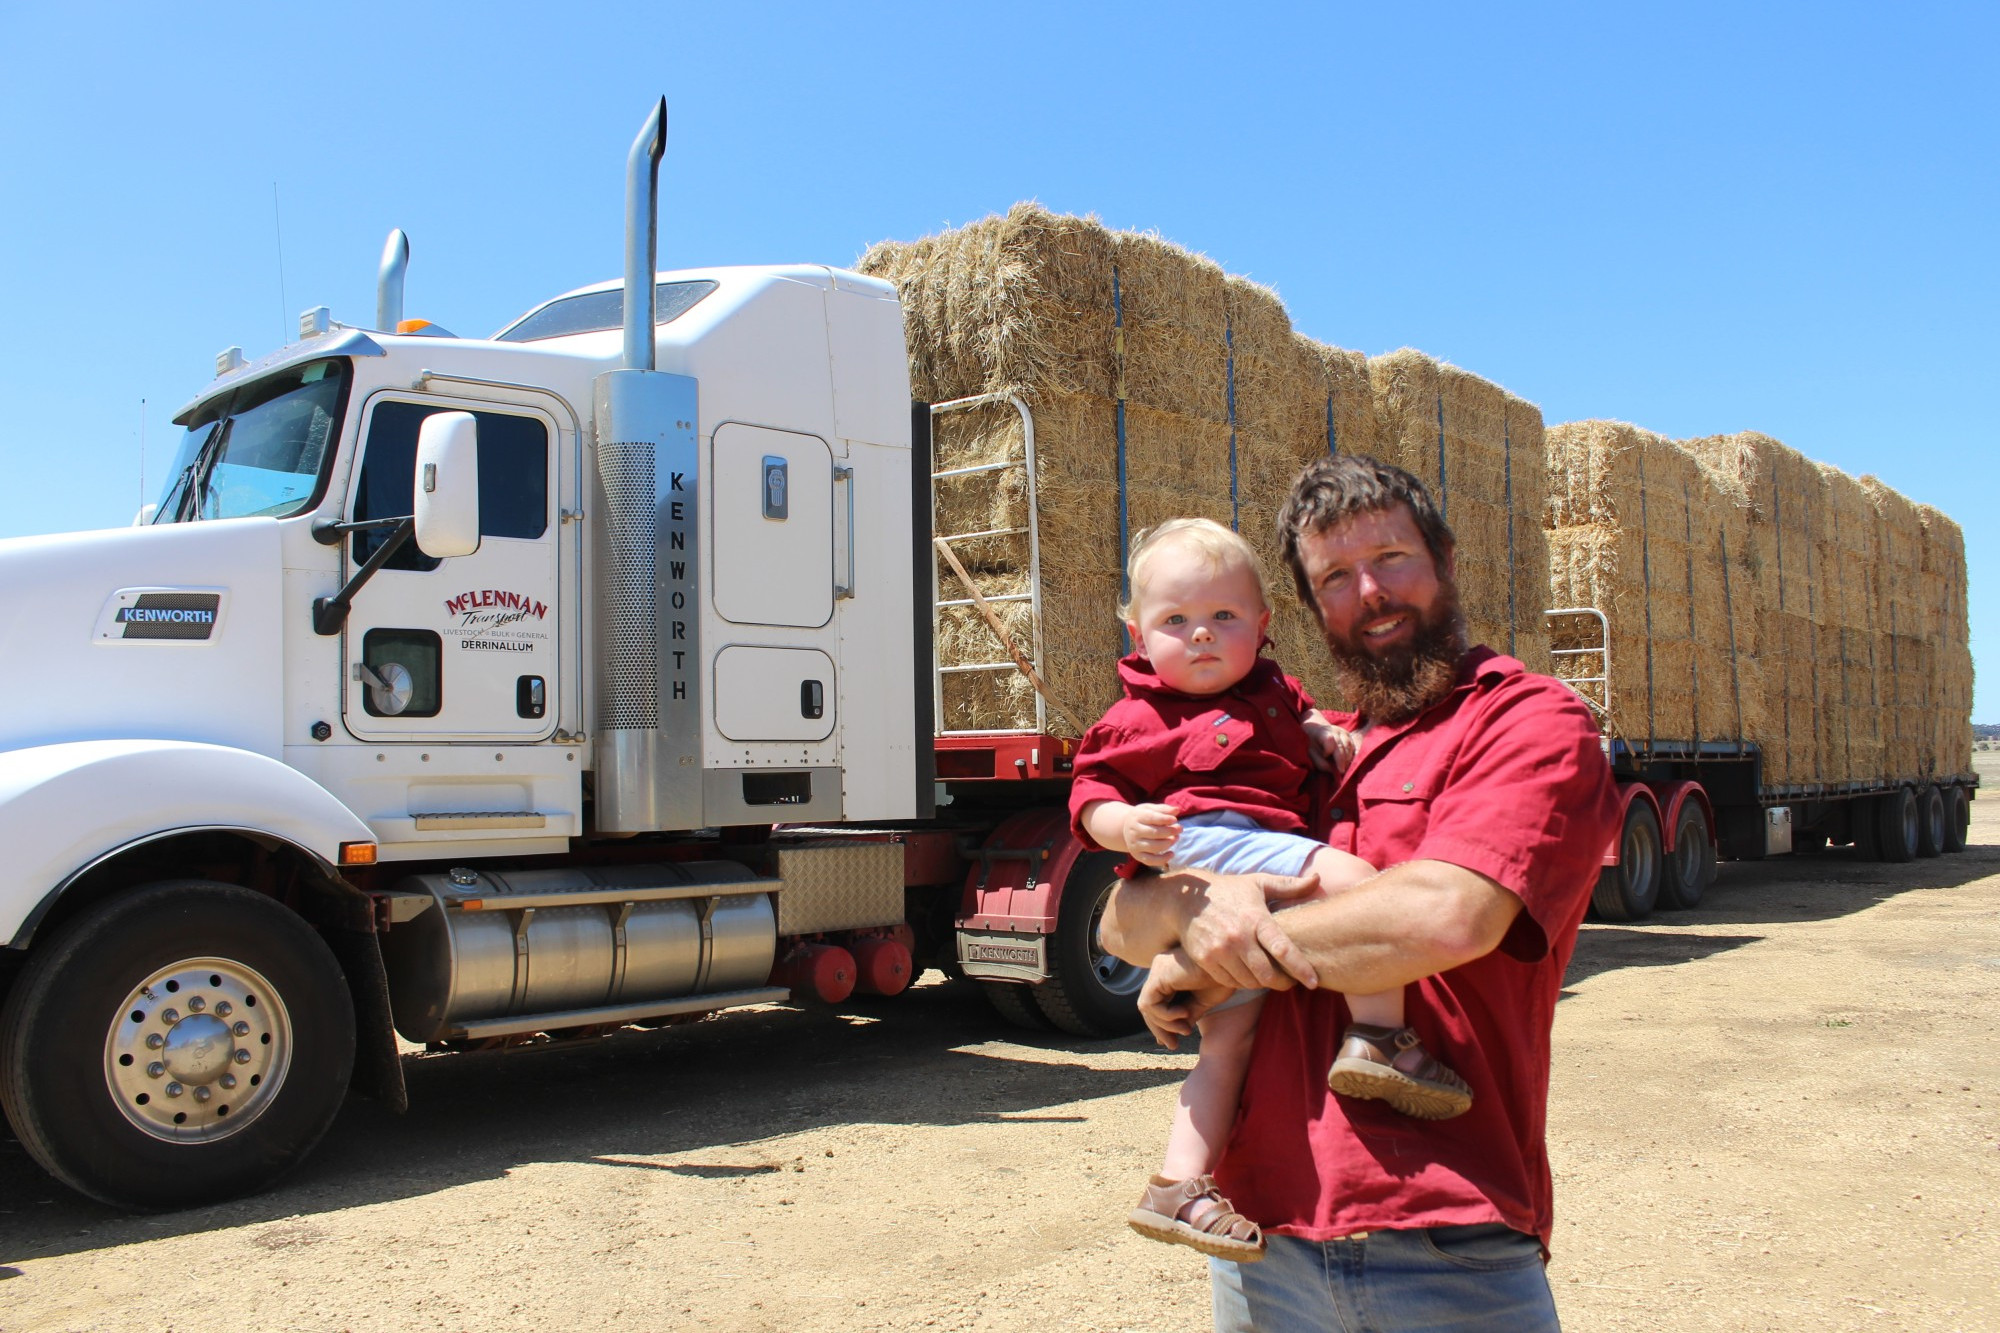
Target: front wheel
[1089,992]
[187,1043]
[1628,890]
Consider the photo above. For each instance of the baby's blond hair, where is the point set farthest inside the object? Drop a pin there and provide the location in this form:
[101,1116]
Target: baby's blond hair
[1220,548]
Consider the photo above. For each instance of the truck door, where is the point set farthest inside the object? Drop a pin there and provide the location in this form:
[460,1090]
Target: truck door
[466,647]
[772,498]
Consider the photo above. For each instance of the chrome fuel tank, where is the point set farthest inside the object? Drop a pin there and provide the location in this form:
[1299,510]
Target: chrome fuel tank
[578,944]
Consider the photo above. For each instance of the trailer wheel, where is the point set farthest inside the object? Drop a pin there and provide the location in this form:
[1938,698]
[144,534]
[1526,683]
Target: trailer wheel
[1896,825]
[1931,819]
[1957,817]
[1089,992]
[188,1043]
[1628,890]
[1691,867]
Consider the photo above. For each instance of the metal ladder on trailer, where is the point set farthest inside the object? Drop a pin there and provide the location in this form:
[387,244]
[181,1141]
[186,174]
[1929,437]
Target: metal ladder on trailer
[1593,690]
[1033,650]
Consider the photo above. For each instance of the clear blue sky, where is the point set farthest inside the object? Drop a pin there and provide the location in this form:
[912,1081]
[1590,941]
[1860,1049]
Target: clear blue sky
[1699,217]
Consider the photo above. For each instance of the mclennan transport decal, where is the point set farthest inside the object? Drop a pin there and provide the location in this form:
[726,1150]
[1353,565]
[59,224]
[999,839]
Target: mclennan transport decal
[497,620]
[161,615]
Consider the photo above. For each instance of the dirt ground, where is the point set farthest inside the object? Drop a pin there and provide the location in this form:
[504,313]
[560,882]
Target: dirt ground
[1781,1111]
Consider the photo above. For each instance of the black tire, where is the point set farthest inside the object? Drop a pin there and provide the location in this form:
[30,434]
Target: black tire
[1931,819]
[1690,868]
[81,1094]
[1089,992]
[1897,820]
[1957,817]
[1016,1004]
[1628,890]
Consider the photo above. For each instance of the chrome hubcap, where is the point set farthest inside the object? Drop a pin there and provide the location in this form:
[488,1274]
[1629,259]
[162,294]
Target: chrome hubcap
[198,1050]
[1113,973]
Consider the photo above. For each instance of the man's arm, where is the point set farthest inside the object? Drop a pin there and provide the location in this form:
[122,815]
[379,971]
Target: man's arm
[1410,921]
[1221,919]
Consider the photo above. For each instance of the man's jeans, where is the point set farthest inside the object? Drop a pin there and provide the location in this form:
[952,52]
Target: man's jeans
[1475,1279]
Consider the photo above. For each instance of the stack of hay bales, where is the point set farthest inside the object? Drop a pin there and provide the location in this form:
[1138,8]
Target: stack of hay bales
[1781,497]
[1639,530]
[1480,451]
[1755,594]
[1850,568]
[1944,590]
[1222,403]
[1907,621]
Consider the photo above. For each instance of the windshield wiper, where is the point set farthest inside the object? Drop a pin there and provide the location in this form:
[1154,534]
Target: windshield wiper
[198,475]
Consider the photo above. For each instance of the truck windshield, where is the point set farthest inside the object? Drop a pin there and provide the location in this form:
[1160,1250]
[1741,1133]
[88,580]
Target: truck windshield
[259,450]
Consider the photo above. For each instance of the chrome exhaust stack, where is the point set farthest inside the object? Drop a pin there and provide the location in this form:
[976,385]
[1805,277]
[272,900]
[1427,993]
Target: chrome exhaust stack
[389,281]
[648,727]
[642,237]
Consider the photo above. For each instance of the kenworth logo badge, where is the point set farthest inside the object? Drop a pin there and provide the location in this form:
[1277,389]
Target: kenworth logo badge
[174,614]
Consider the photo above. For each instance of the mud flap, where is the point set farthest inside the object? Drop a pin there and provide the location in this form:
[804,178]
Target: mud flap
[378,1065]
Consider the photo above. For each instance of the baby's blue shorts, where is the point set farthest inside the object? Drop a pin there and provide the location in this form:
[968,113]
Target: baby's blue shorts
[1230,843]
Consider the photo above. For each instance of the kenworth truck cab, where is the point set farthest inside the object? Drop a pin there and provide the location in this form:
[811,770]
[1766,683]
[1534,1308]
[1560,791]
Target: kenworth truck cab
[453,690]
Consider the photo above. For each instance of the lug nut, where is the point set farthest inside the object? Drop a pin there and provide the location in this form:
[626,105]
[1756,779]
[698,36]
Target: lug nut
[154,1041]
[202,1094]
[197,1004]
[170,1016]
[227,1080]
[175,1089]
[223,1009]
[241,1029]
[242,1057]
[155,1069]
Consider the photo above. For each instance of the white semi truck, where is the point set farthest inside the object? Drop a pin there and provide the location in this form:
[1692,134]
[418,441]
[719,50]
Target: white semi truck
[453,689]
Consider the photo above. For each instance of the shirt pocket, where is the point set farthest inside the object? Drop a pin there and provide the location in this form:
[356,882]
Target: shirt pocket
[1394,809]
[1213,739]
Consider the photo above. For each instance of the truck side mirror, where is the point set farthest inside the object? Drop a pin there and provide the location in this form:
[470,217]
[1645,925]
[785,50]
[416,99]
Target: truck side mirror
[447,485]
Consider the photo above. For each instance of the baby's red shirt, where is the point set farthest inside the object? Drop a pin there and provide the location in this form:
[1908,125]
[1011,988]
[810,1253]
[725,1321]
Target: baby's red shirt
[1242,750]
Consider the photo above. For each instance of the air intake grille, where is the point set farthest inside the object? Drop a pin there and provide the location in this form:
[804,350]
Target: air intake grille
[629,615]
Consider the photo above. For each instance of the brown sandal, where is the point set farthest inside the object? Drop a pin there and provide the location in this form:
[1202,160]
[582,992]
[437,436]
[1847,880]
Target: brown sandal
[1221,1231]
[1391,1065]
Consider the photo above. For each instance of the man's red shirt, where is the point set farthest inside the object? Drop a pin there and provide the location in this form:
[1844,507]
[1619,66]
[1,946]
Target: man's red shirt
[1504,777]
[1240,750]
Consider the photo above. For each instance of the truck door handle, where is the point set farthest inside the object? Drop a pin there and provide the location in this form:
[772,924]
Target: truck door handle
[812,699]
[845,589]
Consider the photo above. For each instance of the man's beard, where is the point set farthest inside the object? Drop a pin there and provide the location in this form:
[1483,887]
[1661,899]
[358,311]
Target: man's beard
[1396,686]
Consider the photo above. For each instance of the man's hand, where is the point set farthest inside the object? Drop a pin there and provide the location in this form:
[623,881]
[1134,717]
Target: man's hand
[1175,996]
[1231,937]
[1150,832]
[1332,748]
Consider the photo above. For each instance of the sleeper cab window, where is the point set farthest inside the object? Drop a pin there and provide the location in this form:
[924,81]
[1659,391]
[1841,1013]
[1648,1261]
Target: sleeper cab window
[513,476]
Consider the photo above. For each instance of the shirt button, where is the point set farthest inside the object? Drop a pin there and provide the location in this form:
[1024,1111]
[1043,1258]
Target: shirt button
[1221,738]
[1270,712]
[1336,814]
[1409,786]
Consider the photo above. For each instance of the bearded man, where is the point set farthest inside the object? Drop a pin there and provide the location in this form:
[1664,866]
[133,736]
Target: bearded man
[1482,791]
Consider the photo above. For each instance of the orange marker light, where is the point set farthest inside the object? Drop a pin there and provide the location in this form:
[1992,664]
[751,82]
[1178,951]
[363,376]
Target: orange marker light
[357,853]
[412,325]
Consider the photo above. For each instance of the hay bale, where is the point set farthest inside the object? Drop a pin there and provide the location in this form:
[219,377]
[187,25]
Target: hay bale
[1480,451]
[1651,541]
[1944,585]
[1217,388]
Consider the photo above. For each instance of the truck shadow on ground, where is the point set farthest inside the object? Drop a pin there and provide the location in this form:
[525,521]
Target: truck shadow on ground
[938,1056]
[1808,886]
